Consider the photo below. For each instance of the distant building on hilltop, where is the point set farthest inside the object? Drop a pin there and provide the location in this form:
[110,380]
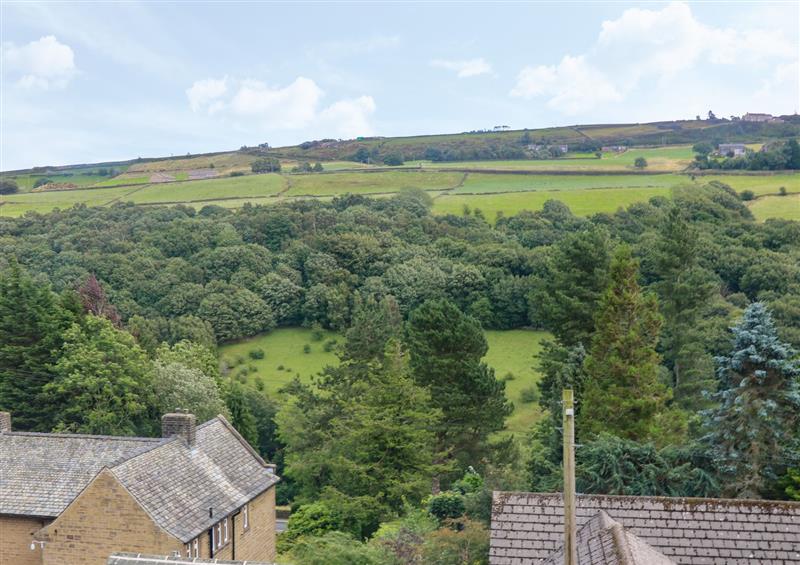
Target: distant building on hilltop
[754,117]
[728,149]
[197,492]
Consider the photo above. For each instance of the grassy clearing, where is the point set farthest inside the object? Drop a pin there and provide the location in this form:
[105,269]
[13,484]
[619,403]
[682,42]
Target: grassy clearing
[223,161]
[785,207]
[581,202]
[126,178]
[488,183]
[366,183]
[18,204]
[509,352]
[759,184]
[237,187]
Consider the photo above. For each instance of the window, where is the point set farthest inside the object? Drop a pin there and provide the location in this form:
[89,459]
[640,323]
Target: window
[219,535]
[225,526]
[188,550]
[196,546]
[246,516]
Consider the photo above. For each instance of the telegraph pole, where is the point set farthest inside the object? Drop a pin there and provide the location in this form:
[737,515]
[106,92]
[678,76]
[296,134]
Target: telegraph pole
[570,551]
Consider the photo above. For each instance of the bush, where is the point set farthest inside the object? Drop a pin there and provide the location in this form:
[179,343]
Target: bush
[280,367]
[747,195]
[335,548]
[468,543]
[393,160]
[8,187]
[782,191]
[259,384]
[329,345]
[318,167]
[309,520]
[256,353]
[640,163]
[306,348]
[41,182]
[446,506]
[509,376]
[317,334]
[270,165]
[529,394]
[236,174]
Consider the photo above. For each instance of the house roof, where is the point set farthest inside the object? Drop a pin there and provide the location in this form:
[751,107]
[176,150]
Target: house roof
[529,527]
[140,559]
[185,489]
[604,541]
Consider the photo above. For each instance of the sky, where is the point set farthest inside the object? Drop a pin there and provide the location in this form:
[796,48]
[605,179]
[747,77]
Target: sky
[87,82]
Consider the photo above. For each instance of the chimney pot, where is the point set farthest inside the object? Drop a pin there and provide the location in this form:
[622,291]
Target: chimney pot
[5,422]
[179,424]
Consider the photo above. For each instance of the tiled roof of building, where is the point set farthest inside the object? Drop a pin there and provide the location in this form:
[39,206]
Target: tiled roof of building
[604,541]
[177,486]
[40,474]
[185,489]
[140,559]
[528,527]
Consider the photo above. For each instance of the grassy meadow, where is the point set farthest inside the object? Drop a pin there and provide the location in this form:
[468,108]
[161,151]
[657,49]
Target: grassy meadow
[284,358]
[784,207]
[370,183]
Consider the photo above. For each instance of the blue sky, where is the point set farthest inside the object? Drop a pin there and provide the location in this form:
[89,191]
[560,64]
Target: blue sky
[87,82]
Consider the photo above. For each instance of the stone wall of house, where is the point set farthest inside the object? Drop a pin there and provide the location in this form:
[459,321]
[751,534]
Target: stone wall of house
[15,541]
[257,543]
[102,520]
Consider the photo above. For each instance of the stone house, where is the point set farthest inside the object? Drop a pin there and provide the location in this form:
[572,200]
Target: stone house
[756,117]
[198,491]
[529,528]
[735,149]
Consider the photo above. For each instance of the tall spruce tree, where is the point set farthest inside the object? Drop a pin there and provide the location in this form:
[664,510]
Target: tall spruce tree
[684,291]
[754,433]
[622,394]
[446,347]
[32,321]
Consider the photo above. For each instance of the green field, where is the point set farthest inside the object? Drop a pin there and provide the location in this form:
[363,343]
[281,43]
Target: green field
[211,189]
[509,352]
[759,184]
[785,207]
[369,183]
[493,183]
[581,202]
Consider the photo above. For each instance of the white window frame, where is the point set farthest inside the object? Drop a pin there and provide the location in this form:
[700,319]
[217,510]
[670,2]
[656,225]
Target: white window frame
[225,528]
[188,550]
[246,517]
[219,535]
[196,545]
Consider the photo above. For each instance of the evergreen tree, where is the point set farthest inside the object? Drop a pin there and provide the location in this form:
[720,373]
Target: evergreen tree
[754,432]
[446,347]
[576,277]
[241,416]
[623,395]
[684,290]
[32,320]
[104,382]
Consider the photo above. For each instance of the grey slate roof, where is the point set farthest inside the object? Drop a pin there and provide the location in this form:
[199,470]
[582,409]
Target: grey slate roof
[140,559]
[604,541]
[528,527]
[40,474]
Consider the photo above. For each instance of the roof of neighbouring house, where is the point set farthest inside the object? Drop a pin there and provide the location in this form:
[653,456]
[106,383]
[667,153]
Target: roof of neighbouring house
[529,527]
[175,483]
[604,541]
[140,559]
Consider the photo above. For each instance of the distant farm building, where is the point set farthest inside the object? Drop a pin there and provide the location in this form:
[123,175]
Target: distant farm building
[752,117]
[728,149]
[613,148]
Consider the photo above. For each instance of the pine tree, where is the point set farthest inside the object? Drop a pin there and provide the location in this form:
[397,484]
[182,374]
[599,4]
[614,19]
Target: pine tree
[754,431]
[32,320]
[623,395]
[241,416]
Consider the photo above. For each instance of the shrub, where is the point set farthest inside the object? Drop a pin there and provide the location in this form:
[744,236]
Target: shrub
[640,163]
[393,160]
[238,360]
[509,376]
[41,182]
[310,519]
[236,174]
[259,384]
[747,195]
[280,367]
[318,167]
[782,191]
[335,548]
[269,165]
[446,506]
[329,345]
[306,348]
[8,187]
[529,394]
[468,543]
[256,353]
[317,334]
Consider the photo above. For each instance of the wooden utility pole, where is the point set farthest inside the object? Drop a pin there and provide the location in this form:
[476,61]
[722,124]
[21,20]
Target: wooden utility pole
[570,527]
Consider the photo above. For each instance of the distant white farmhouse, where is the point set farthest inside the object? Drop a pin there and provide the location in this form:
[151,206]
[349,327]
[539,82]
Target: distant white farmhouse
[752,117]
[728,149]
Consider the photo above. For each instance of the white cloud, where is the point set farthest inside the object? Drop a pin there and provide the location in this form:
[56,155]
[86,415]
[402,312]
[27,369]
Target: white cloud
[657,49]
[573,86]
[464,69]
[44,63]
[205,94]
[350,118]
[297,106]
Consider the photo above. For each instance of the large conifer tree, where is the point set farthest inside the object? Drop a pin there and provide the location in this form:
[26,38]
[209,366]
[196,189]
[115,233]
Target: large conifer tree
[623,395]
[755,430]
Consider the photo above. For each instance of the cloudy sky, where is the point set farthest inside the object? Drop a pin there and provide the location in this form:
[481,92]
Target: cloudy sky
[86,82]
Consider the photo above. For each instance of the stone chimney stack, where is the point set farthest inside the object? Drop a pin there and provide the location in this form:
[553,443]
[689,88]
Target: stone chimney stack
[5,422]
[179,424]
